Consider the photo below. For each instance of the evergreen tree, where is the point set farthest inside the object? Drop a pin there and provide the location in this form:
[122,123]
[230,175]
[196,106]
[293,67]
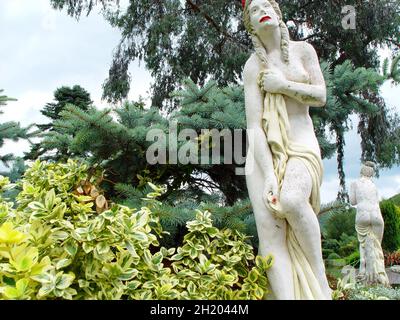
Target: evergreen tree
[346,86]
[200,39]
[119,146]
[380,132]
[63,96]
[76,95]
[206,39]
[17,170]
[10,131]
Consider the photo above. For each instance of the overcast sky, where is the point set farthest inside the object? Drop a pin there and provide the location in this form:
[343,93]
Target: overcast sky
[42,49]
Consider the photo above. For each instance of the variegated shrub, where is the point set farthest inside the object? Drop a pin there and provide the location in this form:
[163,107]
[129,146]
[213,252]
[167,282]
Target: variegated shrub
[64,240]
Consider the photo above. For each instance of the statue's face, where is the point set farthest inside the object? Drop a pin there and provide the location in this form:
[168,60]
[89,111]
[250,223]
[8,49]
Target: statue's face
[262,15]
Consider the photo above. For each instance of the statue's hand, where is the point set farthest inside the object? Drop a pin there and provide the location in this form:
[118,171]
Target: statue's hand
[271,197]
[271,190]
[273,82]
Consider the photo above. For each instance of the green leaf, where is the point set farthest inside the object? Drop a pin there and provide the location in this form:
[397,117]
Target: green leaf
[102,248]
[11,293]
[140,236]
[9,235]
[39,268]
[259,293]
[157,258]
[128,274]
[49,199]
[60,235]
[63,263]
[22,286]
[63,281]
[83,283]
[133,285]
[25,260]
[45,290]
[69,293]
[43,278]
[18,292]
[36,206]
[212,232]
[59,211]
[191,288]
[253,275]
[71,248]
[87,247]
[177,257]
[193,253]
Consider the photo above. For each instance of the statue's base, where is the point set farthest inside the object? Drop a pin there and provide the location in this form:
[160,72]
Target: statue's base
[394,277]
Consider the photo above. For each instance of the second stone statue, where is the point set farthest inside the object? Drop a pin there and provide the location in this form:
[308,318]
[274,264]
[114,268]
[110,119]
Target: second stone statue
[370,228]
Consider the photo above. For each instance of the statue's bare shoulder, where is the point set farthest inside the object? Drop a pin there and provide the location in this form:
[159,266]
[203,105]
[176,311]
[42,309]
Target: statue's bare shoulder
[305,51]
[251,69]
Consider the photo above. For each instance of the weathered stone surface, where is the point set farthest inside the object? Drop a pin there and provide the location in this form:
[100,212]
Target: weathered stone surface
[370,228]
[394,277]
[282,79]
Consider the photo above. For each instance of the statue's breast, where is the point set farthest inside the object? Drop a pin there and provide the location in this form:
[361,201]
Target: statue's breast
[299,75]
[294,71]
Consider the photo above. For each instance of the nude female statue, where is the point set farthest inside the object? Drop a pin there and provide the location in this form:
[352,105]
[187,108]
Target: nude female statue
[282,79]
[370,228]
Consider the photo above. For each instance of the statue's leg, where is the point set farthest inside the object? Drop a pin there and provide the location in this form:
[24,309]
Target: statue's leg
[362,271]
[378,226]
[272,236]
[295,200]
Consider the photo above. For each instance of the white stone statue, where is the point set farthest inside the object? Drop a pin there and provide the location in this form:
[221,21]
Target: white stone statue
[370,227]
[282,79]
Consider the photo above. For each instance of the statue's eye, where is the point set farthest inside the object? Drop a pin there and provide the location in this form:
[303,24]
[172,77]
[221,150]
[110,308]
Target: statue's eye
[254,10]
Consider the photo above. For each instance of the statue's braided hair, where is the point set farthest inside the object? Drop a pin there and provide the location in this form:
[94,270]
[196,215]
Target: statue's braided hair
[368,169]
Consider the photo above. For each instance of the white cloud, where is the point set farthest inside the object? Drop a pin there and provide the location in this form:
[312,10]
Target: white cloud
[391,94]
[329,190]
[27,108]
[49,21]
[388,186]
[21,9]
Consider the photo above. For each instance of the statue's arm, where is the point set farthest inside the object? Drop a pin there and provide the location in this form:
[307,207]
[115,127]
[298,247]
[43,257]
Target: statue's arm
[254,103]
[353,195]
[313,94]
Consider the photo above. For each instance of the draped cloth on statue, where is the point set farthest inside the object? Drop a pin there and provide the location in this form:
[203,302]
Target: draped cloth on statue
[276,126]
[374,262]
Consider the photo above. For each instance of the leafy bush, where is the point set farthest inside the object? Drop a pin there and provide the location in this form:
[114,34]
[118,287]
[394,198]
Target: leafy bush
[66,241]
[342,252]
[340,245]
[350,290]
[341,221]
[373,293]
[396,199]
[391,215]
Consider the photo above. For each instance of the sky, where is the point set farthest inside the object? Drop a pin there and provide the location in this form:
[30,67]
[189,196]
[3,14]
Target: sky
[42,49]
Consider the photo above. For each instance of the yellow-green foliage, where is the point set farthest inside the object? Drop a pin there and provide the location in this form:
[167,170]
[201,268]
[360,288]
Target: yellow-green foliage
[55,246]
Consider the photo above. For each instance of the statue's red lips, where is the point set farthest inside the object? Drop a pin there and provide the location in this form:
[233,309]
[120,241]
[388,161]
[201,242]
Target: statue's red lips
[266,18]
